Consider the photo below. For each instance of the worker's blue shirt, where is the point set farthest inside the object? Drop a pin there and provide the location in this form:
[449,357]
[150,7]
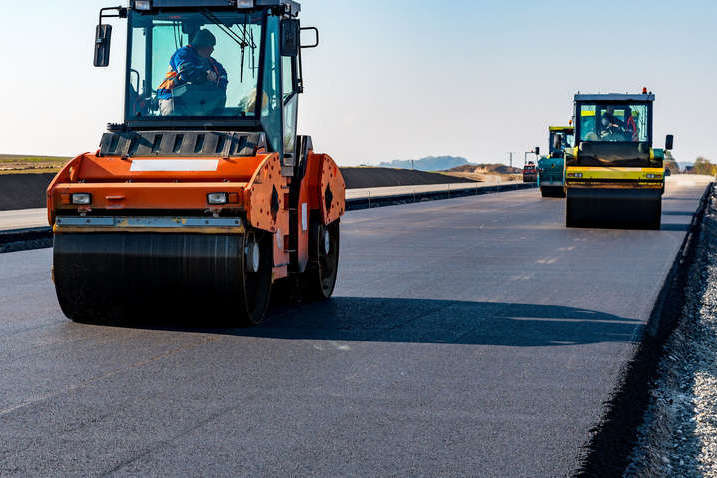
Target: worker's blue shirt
[186,66]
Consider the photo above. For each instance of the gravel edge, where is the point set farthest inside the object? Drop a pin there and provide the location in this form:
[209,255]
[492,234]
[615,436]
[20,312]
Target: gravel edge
[679,434]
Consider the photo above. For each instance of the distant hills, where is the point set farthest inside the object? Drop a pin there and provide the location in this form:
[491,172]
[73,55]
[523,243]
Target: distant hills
[430,163]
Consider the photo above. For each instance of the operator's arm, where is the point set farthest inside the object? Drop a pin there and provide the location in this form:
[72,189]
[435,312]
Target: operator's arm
[223,77]
[189,67]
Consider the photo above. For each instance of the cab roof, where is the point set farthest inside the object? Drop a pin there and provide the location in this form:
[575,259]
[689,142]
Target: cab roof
[291,6]
[615,97]
[561,128]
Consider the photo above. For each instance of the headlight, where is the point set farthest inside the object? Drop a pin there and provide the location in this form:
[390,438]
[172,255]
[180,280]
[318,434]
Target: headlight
[245,3]
[82,199]
[653,176]
[143,4]
[217,198]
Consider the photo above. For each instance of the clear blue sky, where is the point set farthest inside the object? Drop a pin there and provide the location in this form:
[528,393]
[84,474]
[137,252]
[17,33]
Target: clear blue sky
[400,79]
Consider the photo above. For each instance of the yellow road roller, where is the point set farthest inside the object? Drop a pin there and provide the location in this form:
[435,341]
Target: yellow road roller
[613,175]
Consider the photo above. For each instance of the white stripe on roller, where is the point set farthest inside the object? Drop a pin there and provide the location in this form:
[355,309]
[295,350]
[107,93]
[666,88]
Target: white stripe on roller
[304,217]
[145,165]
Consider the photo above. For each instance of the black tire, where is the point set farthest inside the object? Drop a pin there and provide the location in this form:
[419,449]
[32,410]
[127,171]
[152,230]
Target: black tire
[570,219]
[255,287]
[319,279]
[552,192]
[656,222]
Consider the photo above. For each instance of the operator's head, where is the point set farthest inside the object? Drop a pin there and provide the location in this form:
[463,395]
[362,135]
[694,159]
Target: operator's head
[204,43]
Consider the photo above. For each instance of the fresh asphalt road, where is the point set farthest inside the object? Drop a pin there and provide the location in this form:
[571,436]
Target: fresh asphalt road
[473,336]
[23,219]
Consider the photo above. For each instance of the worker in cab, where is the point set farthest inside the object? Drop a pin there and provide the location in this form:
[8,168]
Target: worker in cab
[611,128]
[631,126]
[613,117]
[607,128]
[196,83]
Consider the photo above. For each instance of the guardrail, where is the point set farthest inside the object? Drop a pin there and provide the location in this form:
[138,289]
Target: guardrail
[370,201]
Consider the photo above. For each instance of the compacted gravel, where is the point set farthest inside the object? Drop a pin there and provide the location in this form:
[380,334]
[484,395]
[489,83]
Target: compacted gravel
[679,436]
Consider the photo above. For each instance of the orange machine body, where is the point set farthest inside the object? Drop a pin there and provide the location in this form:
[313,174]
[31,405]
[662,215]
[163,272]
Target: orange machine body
[256,190]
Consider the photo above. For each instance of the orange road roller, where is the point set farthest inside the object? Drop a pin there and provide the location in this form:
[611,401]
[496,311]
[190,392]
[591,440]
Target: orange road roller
[204,198]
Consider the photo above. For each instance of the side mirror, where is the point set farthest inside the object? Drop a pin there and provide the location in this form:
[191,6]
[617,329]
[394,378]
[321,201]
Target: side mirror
[103,37]
[290,37]
[316,41]
[537,150]
[669,140]
[668,172]
[557,141]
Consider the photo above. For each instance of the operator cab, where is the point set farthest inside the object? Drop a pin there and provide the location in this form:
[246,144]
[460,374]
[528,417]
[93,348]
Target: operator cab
[561,138]
[615,130]
[249,80]
[615,118]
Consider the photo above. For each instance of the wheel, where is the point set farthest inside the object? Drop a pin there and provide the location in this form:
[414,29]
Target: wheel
[552,192]
[256,277]
[572,218]
[656,222]
[319,280]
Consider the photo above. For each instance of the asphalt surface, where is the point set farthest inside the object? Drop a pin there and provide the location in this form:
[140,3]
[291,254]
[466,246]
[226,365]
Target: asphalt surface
[473,337]
[23,218]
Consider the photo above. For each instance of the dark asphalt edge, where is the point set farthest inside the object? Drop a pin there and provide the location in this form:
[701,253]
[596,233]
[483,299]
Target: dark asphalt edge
[25,239]
[608,451]
[41,237]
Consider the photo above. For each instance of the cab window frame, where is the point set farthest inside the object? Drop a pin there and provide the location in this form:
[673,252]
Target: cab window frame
[618,103]
[249,123]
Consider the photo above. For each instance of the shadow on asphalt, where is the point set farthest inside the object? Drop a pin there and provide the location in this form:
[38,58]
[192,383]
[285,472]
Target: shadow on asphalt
[429,321]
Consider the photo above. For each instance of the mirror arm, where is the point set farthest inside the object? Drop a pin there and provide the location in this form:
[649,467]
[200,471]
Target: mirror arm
[121,13]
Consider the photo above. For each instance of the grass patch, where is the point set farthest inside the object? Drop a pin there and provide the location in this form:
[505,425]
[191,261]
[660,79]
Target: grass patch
[21,158]
[22,164]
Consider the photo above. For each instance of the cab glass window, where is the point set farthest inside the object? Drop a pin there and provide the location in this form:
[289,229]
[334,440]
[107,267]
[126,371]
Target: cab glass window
[193,64]
[615,123]
[272,104]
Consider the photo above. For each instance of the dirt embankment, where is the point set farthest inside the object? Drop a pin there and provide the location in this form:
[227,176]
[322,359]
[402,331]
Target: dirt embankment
[492,168]
[27,191]
[489,173]
[358,178]
[23,191]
